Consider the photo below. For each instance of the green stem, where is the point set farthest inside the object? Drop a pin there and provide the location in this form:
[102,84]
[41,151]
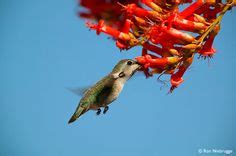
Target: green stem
[216,21]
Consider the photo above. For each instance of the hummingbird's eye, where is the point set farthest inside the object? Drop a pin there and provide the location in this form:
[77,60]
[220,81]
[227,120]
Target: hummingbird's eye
[129,63]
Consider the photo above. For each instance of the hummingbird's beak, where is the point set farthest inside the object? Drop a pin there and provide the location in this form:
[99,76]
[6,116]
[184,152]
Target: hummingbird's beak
[136,62]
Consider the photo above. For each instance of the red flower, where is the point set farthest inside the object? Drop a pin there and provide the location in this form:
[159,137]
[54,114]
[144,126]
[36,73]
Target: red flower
[107,10]
[207,48]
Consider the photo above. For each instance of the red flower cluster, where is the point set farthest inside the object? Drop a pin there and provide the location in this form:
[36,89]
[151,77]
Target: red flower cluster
[169,38]
[107,10]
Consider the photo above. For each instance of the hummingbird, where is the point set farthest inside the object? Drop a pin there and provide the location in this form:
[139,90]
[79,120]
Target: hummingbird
[106,90]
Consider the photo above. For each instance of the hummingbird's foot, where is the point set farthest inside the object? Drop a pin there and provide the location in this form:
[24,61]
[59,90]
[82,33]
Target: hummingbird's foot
[98,111]
[105,109]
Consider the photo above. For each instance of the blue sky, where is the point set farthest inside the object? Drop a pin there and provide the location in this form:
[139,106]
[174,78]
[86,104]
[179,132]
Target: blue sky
[45,48]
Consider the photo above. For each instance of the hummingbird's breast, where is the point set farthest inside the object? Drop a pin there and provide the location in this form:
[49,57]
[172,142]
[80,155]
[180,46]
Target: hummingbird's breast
[116,89]
[103,93]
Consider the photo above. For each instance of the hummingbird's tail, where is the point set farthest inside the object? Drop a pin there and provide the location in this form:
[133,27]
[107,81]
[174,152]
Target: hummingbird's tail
[72,119]
[77,114]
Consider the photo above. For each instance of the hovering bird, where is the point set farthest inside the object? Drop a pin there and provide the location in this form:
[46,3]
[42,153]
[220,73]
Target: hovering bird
[107,89]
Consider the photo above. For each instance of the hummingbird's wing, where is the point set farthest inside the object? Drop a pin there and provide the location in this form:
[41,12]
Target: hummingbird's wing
[96,96]
[80,91]
[102,96]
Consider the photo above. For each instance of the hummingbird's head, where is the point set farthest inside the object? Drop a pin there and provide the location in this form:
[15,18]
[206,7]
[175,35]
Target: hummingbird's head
[125,69]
